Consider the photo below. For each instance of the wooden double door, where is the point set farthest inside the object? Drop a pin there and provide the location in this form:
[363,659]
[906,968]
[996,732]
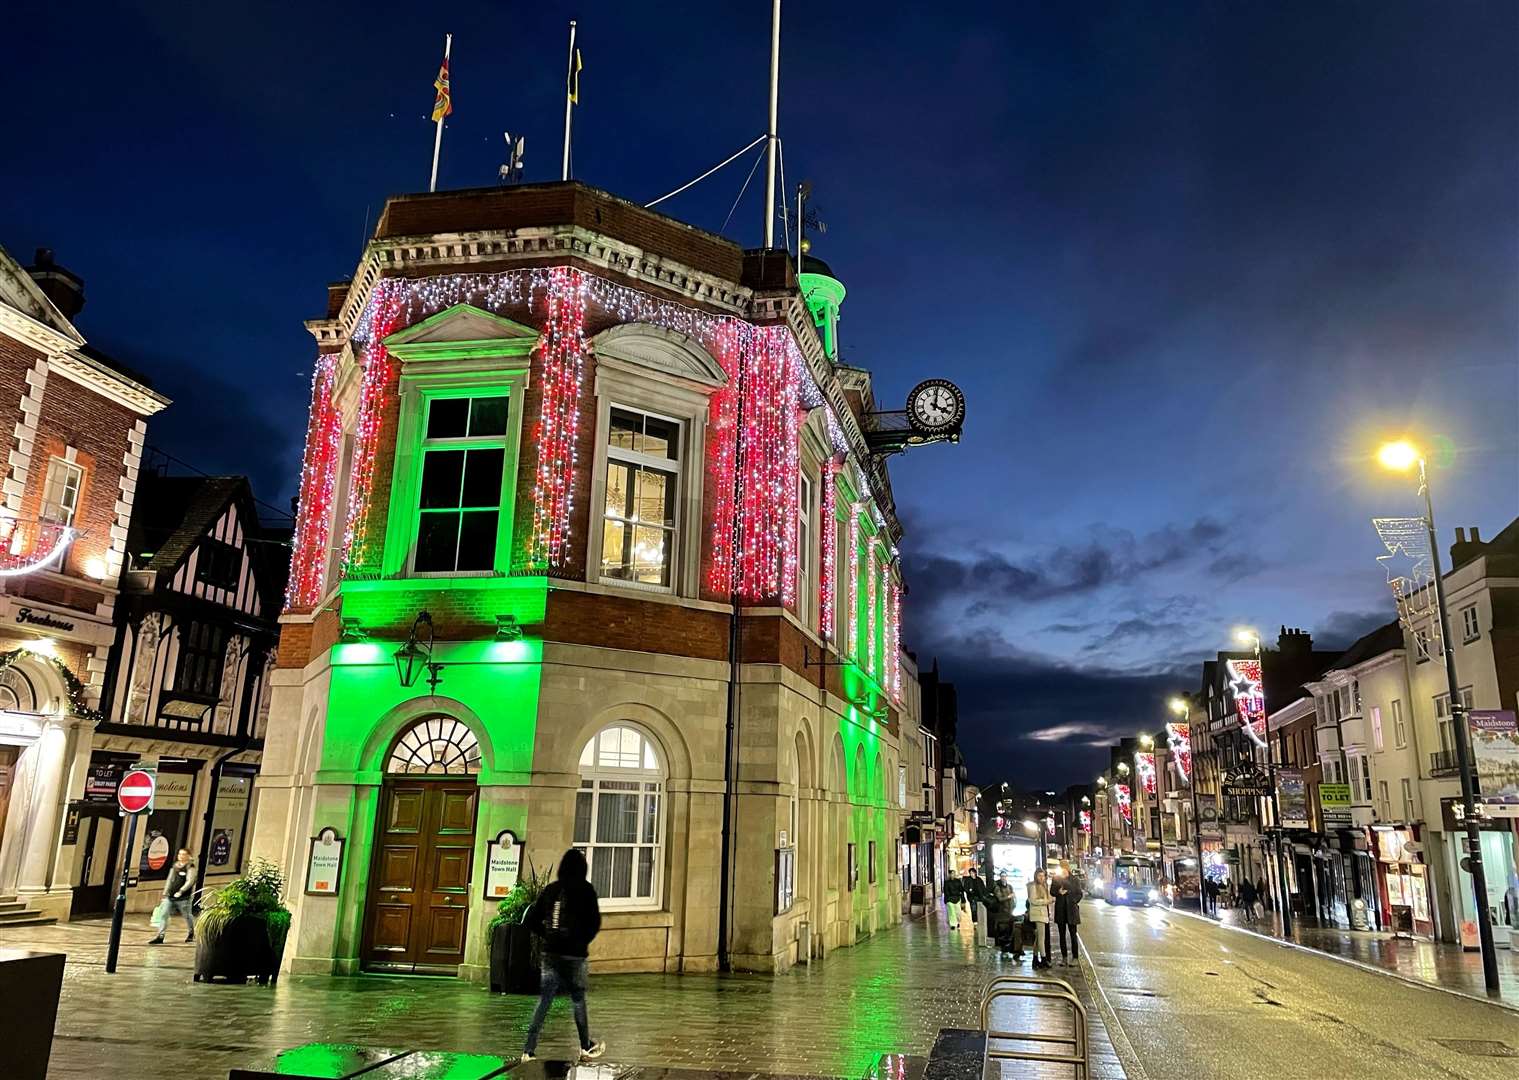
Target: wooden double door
[419,887]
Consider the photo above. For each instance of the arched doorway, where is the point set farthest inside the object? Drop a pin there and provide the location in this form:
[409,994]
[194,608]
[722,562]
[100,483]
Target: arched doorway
[419,885]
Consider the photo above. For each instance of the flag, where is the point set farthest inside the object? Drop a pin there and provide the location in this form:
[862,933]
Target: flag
[575,79]
[443,104]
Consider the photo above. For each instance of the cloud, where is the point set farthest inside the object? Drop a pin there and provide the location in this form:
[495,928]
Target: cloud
[1341,629]
[1088,734]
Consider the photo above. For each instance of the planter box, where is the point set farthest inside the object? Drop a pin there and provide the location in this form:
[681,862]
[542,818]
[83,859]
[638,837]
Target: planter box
[514,960]
[242,951]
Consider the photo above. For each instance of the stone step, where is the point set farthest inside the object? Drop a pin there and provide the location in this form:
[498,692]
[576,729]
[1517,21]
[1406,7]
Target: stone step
[11,905]
[25,917]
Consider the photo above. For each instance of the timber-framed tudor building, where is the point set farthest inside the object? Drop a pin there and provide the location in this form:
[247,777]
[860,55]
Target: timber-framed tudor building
[617,463]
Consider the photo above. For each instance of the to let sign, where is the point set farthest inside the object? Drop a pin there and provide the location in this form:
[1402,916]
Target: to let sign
[136,792]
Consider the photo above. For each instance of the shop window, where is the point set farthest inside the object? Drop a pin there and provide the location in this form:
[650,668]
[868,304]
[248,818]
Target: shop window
[60,492]
[202,655]
[463,471]
[229,824]
[167,827]
[218,564]
[643,486]
[619,817]
[436,746]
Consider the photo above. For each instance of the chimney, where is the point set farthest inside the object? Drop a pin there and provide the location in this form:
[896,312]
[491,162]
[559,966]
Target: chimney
[1464,550]
[1294,642]
[63,287]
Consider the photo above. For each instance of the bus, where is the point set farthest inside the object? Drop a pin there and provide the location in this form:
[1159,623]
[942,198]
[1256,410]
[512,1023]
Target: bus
[1135,881]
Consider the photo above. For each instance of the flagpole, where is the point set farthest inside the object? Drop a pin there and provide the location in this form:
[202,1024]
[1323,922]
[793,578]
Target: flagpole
[569,103]
[775,88]
[437,141]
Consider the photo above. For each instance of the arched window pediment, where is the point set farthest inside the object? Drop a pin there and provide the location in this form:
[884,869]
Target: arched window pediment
[435,746]
[662,350]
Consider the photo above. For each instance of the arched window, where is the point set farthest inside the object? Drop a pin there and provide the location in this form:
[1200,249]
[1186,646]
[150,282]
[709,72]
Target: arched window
[436,746]
[619,816]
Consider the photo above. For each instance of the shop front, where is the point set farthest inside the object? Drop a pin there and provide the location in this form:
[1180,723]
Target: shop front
[1497,835]
[1403,881]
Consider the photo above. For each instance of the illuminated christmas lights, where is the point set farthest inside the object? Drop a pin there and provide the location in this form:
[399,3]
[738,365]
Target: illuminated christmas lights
[1249,697]
[827,585]
[872,571]
[1144,765]
[1085,817]
[1125,803]
[562,358]
[324,440]
[853,637]
[1179,740]
[895,642]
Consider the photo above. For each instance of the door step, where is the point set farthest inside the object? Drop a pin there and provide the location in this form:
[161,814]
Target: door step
[25,917]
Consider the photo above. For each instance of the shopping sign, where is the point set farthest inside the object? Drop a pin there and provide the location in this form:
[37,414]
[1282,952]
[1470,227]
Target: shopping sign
[1495,754]
[136,792]
[1246,781]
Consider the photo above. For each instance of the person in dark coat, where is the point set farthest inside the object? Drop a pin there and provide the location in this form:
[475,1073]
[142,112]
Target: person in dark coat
[1068,894]
[567,917]
[954,894]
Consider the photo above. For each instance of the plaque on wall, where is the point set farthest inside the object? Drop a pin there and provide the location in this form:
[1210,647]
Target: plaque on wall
[503,864]
[324,867]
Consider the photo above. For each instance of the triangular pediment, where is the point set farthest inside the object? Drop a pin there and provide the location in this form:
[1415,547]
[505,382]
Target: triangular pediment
[19,292]
[462,330]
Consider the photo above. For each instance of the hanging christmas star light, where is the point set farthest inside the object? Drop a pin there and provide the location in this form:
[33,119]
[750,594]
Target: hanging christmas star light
[1144,765]
[1085,817]
[1125,803]
[1249,697]
[1179,741]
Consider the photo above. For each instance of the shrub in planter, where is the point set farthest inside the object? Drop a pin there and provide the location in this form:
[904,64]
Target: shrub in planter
[514,948]
[241,932]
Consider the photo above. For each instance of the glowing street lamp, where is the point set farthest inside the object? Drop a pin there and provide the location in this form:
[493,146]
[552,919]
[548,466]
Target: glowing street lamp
[1403,456]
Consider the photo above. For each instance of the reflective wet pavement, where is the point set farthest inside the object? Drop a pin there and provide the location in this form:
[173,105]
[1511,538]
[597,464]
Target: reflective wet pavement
[889,995]
[1195,999]
[1444,965]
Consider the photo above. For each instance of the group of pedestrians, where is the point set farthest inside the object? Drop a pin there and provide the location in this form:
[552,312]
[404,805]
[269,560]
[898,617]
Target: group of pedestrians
[991,911]
[1250,897]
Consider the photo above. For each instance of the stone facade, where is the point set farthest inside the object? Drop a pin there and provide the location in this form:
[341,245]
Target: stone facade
[755,823]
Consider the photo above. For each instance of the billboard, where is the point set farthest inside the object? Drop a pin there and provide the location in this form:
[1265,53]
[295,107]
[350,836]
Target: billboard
[1495,753]
[1015,860]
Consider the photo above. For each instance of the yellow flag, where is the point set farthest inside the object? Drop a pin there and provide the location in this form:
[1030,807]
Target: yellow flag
[575,79]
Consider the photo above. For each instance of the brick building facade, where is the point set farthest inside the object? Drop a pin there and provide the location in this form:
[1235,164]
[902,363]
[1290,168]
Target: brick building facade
[591,551]
[75,422]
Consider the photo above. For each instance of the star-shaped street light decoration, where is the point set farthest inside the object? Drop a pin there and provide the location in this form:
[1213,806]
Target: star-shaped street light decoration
[1406,570]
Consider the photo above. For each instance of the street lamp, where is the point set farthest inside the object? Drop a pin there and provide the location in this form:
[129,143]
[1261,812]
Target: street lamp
[1402,456]
[1246,636]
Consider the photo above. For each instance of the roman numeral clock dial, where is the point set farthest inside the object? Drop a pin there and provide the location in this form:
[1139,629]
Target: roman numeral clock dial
[936,409]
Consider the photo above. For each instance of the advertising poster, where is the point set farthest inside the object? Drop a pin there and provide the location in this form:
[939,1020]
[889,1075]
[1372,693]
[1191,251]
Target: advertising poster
[1334,805]
[1495,752]
[1292,796]
[1017,863]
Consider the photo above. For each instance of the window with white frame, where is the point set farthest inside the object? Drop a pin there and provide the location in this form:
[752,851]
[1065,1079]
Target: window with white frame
[1399,727]
[805,601]
[1422,644]
[619,816]
[1445,722]
[459,497]
[60,491]
[1408,799]
[1360,778]
[1469,623]
[1383,806]
[643,493]
[1376,727]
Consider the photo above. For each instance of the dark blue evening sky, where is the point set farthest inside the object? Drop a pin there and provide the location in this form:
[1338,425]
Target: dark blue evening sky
[1188,261]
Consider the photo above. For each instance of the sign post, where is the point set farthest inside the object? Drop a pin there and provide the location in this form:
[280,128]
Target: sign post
[135,797]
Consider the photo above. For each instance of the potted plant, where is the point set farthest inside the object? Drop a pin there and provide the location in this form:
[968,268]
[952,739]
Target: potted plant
[241,932]
[514,948]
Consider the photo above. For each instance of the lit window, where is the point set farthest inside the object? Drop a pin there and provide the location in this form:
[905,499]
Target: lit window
[60,493]
[463,465]
[619,816]
[643,483]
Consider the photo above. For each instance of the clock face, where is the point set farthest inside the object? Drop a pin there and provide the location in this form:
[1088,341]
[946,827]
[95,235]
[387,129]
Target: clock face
[936,406]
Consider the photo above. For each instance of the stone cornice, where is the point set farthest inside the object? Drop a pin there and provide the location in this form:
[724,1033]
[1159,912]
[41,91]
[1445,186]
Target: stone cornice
[112,385]
[38,335]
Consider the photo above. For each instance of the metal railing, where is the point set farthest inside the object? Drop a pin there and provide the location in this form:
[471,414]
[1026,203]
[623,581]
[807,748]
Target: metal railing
[1443,763]
[1040,988]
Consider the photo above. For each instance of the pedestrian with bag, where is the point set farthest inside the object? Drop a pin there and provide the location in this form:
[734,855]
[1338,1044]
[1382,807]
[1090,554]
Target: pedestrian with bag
[178,896]
[567,916]
[1262,895]
[1040,902]
[954,893]
[1068,894]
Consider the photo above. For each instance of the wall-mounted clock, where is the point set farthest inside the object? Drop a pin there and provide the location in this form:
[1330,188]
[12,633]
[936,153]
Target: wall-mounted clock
[936,407]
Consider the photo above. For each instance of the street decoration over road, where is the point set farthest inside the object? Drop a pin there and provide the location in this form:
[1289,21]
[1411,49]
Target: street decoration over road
[1179,742]
[1144,765]
[1410,570]
[1249,697]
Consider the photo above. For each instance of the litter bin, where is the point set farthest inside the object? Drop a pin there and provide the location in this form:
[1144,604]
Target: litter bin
[30,983]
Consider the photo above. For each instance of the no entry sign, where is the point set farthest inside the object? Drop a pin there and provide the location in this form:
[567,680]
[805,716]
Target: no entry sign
[136,791]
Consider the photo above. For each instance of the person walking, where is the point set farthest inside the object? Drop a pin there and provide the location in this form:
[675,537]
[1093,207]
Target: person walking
[179,896]
[1039,904]
[1068,894]
[1247,899]
[971,889]
[567,917]
[1262,895]
[954,893]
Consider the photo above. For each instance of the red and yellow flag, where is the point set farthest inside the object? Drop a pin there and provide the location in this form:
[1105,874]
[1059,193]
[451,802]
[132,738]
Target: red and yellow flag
[443,104]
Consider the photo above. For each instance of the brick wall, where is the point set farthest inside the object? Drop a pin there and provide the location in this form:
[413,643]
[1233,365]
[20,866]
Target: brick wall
[16,360]
[75,417]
